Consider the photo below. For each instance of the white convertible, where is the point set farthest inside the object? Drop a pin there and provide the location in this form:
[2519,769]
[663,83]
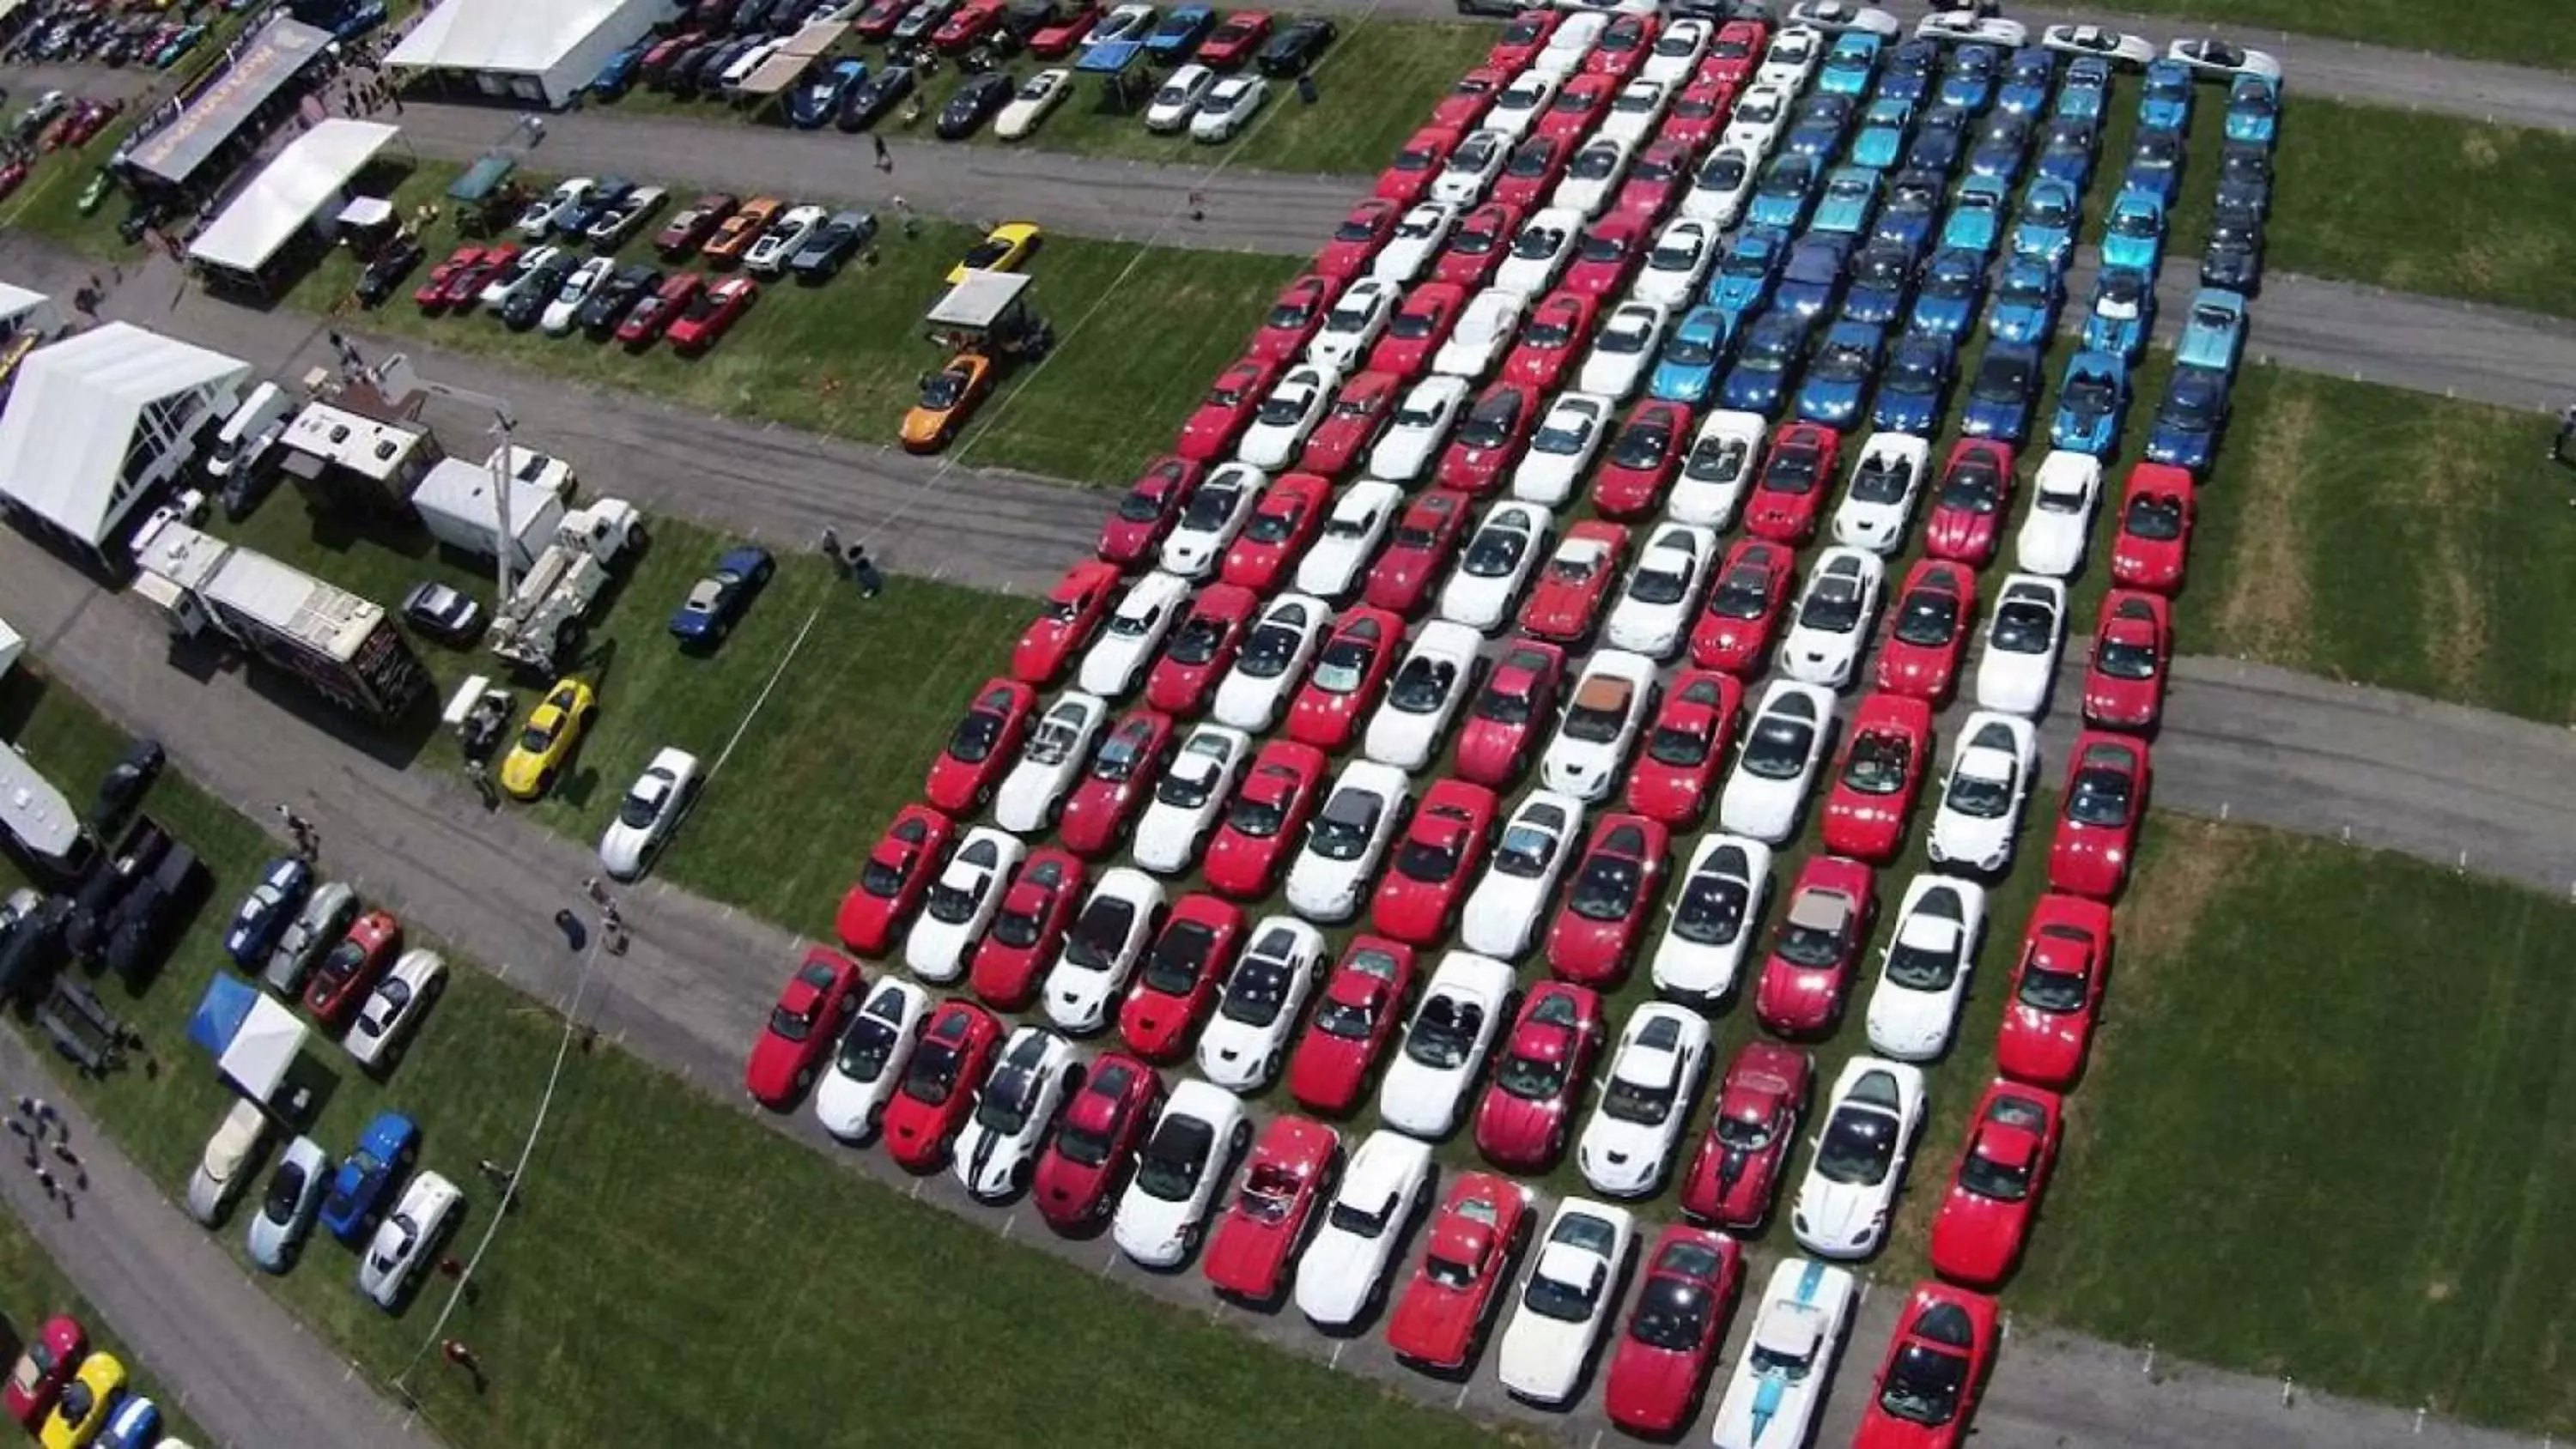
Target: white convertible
[1657,599]
[1561,448]
[868,1063]
[1715,915]
[1354,323]
[1871,1121]
[1512,897]
[1581,1271]
[1879,505]
[1344,1270]
[1275,654]
[1923,973]
[1330,876]
[1056,752]
[961,904]
[2023,639]
[1800,1325]
[1680,257]
[1718,469]
[1438,672]
[1832,622]
[1500,556]
[1281,421]
[1623,350]
[1605,713]
[1190,797]
[1103,949]
[1544,244]
[1445,1045]
[998,1150]
[2062,499]
[1982,797]
[1247,1037]
[1627,1145]
[1419,234]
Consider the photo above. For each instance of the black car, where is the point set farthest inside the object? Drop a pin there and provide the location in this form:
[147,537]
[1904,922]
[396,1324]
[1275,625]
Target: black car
[139,929]
[754,16]
[829,249]
[2245,179]
[385,270]
[711,76]
[94,904]
[974,103]
[1295,49]
[123,786]
[442,613]
[2233,257]
[537,291]
[918,22]
[31,941]
[614,298]
[682,78]
[875,96]
[1025,18]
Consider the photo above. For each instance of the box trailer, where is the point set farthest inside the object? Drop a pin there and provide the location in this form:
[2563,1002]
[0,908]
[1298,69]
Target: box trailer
[458,503]
[343,647]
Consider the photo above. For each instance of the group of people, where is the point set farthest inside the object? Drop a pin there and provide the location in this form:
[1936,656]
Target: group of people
[48,1140]
[852,562]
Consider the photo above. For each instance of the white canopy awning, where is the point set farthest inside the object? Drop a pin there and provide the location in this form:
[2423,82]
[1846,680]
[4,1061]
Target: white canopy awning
[73,414]
[264,1050]
[15,301]
[528,37]
[288,193]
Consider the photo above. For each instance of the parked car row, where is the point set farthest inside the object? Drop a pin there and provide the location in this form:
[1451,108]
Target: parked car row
[65,1392]
[309,940]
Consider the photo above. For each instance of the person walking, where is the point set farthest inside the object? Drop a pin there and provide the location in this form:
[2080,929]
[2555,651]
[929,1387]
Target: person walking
[830,543]
[463,1357]
[885,158]
[903,216]
[871,583]
[2564,449]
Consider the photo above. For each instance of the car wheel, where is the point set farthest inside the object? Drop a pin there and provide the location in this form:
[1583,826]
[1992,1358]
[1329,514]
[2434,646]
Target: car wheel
[804,1079]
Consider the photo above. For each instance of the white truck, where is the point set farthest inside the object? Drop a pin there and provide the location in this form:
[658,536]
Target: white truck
[541,623]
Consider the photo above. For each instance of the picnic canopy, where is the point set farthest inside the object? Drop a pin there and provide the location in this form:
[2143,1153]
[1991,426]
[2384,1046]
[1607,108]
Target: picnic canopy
[288,196]
[253,1039]
[794,58]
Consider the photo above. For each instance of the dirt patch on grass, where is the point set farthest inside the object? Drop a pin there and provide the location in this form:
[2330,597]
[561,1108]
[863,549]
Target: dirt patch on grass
[2265,610]
[2187,863]
[2458,632]
[2479,150]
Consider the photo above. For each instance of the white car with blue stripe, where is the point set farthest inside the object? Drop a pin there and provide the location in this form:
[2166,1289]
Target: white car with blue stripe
[1779,1384]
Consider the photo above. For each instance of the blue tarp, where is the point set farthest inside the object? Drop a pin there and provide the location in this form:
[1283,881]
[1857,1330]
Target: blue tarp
[1110,57]
[219,1017]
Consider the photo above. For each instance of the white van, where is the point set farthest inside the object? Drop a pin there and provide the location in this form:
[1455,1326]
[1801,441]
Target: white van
[249,432]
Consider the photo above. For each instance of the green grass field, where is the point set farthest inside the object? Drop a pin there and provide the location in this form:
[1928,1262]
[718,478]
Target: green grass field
[37,1290]
[2524,32]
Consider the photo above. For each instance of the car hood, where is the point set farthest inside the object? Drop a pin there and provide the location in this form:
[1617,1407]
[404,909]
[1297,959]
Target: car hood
[1516,1125]
[1640,1375]
[1834,1215]
[1335,1274]
[1907,1024]
[1619,1155]
[1240,1253]
[1417,1099]
[1540,1357]
[1148,1229]
[622,848]
[1764,1412]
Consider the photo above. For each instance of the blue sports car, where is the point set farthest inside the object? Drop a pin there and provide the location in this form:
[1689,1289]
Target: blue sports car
[2004,393]
[1954,284]
[2213,333]
[1786,190]
[1849,65]
[2092,403]
[2166,104]
[1912,209]
[1179,34]
[1968,81]
[1838,379]
[283,884]
[1915,389]
[2088,85]
[2244,178]
[2068,151]
[2155,165]
[1905,73]
[2027,298]
[1818,126]
[1849,201]
[619,72]
[1976,218]
[2046,230]
[2002,149]
[715,603]
[1746,274]
[1940,137]
[2133,234]
[2027,82]
[2253,110]
[816,101]
[1692,355]
[2190,419]
[364,1185]
[1883,130]
[1881,276]
[2122,315]
[1766,365]
[1812,283]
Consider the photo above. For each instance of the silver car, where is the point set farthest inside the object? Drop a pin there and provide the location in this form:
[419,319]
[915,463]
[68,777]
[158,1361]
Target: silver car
[285,1217]
[326,917]
[225,1167]
[407,1238]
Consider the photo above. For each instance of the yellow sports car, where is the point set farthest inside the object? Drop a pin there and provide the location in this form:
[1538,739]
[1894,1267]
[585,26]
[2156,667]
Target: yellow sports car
[78,1415]
[947,397]
[1011,244]
[529,770]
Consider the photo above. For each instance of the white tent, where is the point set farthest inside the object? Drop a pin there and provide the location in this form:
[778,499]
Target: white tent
[12,644]
[96,422]
[263,1051]
[536,50]
[21,309]
[302,186]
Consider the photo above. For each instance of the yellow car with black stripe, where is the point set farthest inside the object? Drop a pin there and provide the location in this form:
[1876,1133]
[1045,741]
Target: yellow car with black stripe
[1005,250]
[82,1410]
[553,731]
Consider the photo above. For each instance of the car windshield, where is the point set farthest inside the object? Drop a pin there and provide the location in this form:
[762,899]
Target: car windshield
[2192,404]
[1842,362]
[1692,347]
[1882,480]
[1923,1385]
[1292,314]
[1644,442]
[1712,910]
[1272,648]
[2126,659]
[1422,685]
[1211,506]
[1918,968]
[1606,888]
[1983,793]
[2045,988]
[1257,990]
[1496,552]
[956,905]
[1550,329]
[1878,763]
[1275,524]
[1859,1147]
[973,739]
[2003,379]
[1537,243]
[1565,1302]
[1344,665]
[1777,747]
[1595,163]
[1256,817]
[1598,713]
[1683,744]
[1100,932]
[1833,606]
[1172,1163]
[1348,1020]
[1359,228]
[1284,409]
[643,804]
[2090,392]
[1432,856]
[1568,438]
[2101,797]
[1349,821]
[1972,486]
[1531,158]
[2137,222]
[1716,460]
[1003,1108]
[1444,1032]
[2024,627]
[1994,1171]
[1270,1190]
[1627,336]
[1665,583]
[1635,1102]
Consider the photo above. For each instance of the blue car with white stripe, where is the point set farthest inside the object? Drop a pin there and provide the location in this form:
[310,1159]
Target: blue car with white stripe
[2122,314]
[1952,289]
[1914,391]
[1776,1393]
[1692,356]
[2028,297]
[2092,405]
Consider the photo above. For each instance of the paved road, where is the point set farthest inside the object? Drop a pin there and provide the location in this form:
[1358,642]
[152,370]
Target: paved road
[699,978]
[206,1337]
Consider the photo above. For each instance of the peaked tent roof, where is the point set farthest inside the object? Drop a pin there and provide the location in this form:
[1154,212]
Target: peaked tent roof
[72,415]
[527,36]
[288,191]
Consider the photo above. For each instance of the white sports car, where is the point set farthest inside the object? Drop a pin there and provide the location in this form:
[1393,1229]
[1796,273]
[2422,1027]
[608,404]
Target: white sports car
[1193,1149]
[1718,470]
[1571,42]
[1227,108]
[1982,797]
[1420,426]
[1257,1010]
[1754,127]
[1344,1270]
[1606,711]
[1353,324]
[1218,509]
[1713,918]
[868,1063]
[1923,973]
[2215,57]
[224,1168]
[1833,619]
[1134,633]
[404,1241]
[1517,107]
[1499,559]
[1838,16]
[1102,950]
[2018,668]
[1677,263]
[1275,654]
[785,238]
[998,1150]
[1656,601]
[1787,736]
[1031,103]
[1592,177]
[1879,506]
[565,309]
[1627,1144]
[1445,1045]
[1439,670]
[1540,251]
[1958,27]
[1056,752]
[1190,797]
[394,1007]
[1571,1293]
[961,904]
[1636,109]
[1779,1384]
[1418,237]
[1486,325]
[1472,167]
[1724,184]
[1796,51]
[2062,498]
[649,813]
[1281,421]
[1178,98]
[1330,876]
[1561,448]
[1519,883]
[1623,350]
[1677,51]
[1871,1121]
[2119,46]
[1339,558]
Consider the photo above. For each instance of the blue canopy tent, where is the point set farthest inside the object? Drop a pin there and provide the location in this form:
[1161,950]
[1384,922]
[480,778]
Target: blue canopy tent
[253,1040]
[1117,63]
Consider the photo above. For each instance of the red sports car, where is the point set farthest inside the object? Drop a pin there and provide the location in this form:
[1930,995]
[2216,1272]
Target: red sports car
[1790,490]
[1413,336]
[465,286]
[1478,243]
[1816,950]
[1294,319]
[1147,511]
[1927,631]
[1510,714]
[1357,240]
[1081,1171]
[1655,178]
[1525,1115]
[1735,628]
[1970,500]
[1027,929]
[1234,40]
[1699,113]
[939,1084]
[802,1028]
[1350,673]
[1072,23]
[1577,108]
[1288,1174]
[2056,992]
[1202,648]
[1353,424]
[1641,458]
[1183,969]
[1880,774]
[1678,1324]
[1737,1170]
[2155,528]
[1936,1366]
[1465,104]
[432,294]
[1616,880]
[1623,47]
[2124,681]
[1735,52]
[1528,178]
[689,229]
[1489,440]
[349,972]
[649,318]
[1103,806]
[982,747]
[1557,331]
[1435,861]
[1523,39]
[969,24]
[1226,410]
[712,313]
[1356,1012]
[1426,537]
[1266,821]
[47,1363]
[1284,522]
[1574,584]
[1067,622]
[1471,1249]
[1419,160]
[1995,1189]
[877,22]
[1606,256]
[1685,747]
[2097,827]
[890,887]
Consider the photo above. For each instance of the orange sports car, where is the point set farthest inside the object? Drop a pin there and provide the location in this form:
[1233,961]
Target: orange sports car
[740,230]
[948,397]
